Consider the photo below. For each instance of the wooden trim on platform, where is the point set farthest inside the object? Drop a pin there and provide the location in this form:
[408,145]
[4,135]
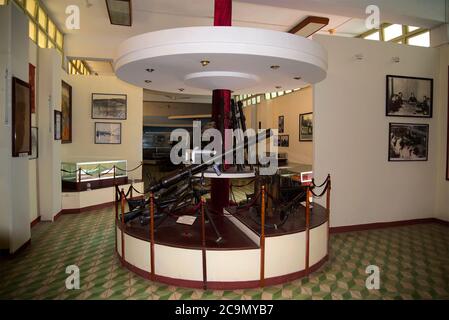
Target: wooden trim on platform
[35,221]
[381,225]
[217,285]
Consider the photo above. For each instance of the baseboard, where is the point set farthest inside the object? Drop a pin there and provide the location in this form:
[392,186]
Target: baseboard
[35,221]
[6,253]
[94,207]
[382,225]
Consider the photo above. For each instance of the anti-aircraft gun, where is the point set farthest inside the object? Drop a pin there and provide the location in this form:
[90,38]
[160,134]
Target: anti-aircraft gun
[171,195]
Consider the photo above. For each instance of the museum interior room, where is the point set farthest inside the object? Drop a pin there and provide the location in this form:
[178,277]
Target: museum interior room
[224,149]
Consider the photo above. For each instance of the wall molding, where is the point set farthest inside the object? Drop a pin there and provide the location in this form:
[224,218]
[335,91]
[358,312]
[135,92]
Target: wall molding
[382,225]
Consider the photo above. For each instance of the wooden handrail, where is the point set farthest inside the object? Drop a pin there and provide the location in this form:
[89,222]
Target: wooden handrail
[262,238]
[328,212]
[307,229]
[152,235]
[203,242]
[122,202]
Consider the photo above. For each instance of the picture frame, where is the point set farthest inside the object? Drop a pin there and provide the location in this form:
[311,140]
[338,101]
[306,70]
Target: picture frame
[306,127]
[410,97]
[57,122]
[32,83]
[447,148]
[408,142]
[281,124]
[21,118]
[66,110]
[109,106]
[34,143]
[108,133]
[284,141]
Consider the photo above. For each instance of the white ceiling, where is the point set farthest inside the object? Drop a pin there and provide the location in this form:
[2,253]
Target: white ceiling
[97,38]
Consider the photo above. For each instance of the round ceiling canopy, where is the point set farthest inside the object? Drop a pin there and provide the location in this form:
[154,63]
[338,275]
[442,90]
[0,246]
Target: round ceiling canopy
[197,60]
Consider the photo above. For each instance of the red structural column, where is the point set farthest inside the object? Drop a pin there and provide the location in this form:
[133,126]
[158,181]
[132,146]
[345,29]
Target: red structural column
[221,107]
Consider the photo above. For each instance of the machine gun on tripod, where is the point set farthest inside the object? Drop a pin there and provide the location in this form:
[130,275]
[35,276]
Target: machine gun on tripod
[172,193]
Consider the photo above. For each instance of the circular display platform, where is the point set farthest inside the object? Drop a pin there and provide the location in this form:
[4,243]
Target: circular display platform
[196,60]
[290,251]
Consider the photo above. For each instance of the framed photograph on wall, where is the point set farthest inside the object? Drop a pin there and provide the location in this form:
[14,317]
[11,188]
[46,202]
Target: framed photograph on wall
[66,109]
[32,83]
[281,124]
[109,106]
[108,133]
[409,97]
[21,118]
[57,124]
[284,141]
[306,127]
[408,142]
[34,143]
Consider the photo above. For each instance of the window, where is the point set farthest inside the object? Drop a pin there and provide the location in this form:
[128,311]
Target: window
[51,29]
[3,2]
[42,18]
[267,96]
[373,36]
[31,7]
[32,30]
[421,40]
[392,32]
[400,34]
[42,39]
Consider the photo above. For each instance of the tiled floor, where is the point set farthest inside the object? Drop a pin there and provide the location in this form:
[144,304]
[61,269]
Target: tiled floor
[413,261]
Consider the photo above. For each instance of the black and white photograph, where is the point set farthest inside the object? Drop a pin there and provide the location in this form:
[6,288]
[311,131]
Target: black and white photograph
[284,140]
[408,142]
[109,106]
[281,124]
[306,127]
[108,133]
[34,143]
[409,97]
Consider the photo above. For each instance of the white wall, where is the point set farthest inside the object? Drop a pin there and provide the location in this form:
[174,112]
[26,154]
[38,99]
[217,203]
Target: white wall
[290,106]
[442,198]
[14,172]
[351,134]
[83,147]
[49,99]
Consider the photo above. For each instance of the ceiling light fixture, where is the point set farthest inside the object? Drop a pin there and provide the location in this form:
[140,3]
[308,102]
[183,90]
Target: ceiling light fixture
[297,78]
[309,26]
[181,89]
[120,12]
[148,81]
[275,67]
[205,62]
[150,70]
[278,87]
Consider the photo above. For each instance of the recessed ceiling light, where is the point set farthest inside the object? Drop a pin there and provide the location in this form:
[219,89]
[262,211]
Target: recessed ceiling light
[278,87]
[205,62]
[181,89]
[148,81]
[297,78]
[150,70]
[275,67]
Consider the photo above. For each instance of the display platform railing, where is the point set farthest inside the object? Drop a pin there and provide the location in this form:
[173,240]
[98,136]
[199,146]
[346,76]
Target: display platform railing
[121,197]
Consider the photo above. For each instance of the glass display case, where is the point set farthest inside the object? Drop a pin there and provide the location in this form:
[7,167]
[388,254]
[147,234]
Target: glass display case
[95,174]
